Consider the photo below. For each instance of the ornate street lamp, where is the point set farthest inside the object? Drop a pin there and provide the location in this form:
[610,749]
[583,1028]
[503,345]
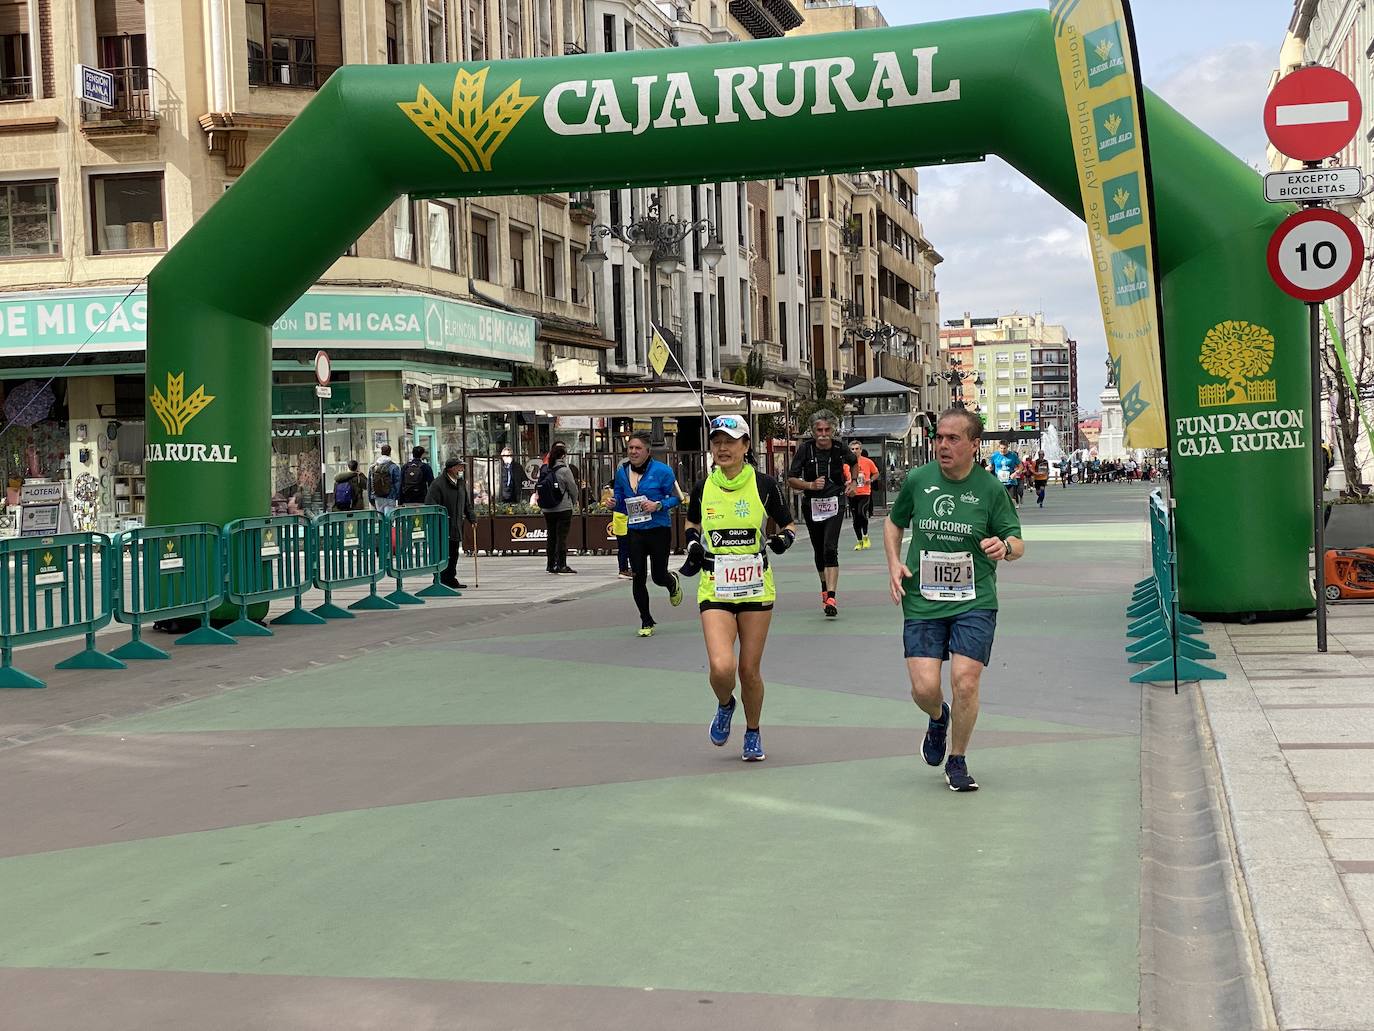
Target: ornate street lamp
[657,242]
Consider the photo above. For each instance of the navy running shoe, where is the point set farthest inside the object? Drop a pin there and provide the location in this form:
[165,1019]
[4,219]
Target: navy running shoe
[753,747]
[957,775]
[933,747]
[720,726]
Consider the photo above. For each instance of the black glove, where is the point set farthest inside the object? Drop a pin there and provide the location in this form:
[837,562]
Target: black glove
[780,542]
[695,554]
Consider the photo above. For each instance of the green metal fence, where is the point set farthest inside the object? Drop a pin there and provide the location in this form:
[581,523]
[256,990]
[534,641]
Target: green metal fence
[169,572]
[350,549]
[419,547]
[1161,635]
[51,588]
[268,558]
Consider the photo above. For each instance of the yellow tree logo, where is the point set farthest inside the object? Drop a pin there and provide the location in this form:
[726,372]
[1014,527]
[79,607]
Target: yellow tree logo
[173,409]
[470,133]
[1130,270]
[1104,48]
[1112,124]
[1239,353]
[1121,197]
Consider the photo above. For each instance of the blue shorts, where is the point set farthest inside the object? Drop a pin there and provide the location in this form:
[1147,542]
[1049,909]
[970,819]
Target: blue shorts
[969,633]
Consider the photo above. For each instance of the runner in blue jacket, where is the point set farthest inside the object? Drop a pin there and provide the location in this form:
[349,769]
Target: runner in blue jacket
[646,491]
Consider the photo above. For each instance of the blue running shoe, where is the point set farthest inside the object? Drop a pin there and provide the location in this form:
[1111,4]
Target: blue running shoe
[933,748]
[957,775]
[720,726]
[753,747]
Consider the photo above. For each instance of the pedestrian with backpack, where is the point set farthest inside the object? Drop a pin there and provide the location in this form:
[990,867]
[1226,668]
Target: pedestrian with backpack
[416,476]
[384,482]
[350,489]
[554,492]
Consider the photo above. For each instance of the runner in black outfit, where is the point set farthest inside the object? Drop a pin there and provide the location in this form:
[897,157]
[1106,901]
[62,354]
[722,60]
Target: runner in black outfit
[821,469]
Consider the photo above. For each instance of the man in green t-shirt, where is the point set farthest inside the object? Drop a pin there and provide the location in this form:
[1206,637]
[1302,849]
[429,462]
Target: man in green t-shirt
[963,524]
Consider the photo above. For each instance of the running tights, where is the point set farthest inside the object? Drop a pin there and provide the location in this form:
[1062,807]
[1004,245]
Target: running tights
[825,541]
[649,549]
[861,505]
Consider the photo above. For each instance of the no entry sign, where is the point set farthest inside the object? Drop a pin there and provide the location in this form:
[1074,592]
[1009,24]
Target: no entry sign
[1312,113]
[1315,254]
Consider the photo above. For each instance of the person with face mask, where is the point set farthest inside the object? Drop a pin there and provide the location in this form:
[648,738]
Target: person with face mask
[646,490]
[451,491]
[512,483]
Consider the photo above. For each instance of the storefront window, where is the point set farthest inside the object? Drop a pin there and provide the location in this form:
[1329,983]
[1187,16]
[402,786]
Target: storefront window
[127,213]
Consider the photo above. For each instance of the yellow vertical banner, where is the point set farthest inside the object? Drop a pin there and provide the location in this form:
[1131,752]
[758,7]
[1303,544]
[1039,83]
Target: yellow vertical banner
[1097,64]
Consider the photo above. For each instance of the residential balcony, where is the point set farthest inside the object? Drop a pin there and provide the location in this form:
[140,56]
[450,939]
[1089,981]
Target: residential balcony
[766,19]
[17,88]
[135,108]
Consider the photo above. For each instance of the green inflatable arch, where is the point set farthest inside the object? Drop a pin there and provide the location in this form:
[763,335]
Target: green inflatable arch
[879,98]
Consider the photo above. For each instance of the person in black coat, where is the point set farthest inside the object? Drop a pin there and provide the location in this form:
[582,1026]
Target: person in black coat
[511,479]
[450,490]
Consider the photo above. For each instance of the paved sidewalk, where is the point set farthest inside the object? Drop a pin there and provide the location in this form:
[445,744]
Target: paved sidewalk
[1293,732]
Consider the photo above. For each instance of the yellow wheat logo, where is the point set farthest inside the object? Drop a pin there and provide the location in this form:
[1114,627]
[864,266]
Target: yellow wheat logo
[47,558]
[470,133]
[171,546]
[173,410]
[1104,48]
[1130,270]
[1112,124]
[1121,196]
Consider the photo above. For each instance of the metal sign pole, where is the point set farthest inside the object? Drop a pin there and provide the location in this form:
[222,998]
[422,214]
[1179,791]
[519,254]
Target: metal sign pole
[1318,476]
[324,496]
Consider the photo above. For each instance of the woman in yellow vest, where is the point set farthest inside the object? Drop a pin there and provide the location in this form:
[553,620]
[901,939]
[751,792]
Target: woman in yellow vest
[727,516]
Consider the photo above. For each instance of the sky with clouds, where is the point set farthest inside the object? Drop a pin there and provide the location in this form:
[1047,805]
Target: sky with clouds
[1008,246]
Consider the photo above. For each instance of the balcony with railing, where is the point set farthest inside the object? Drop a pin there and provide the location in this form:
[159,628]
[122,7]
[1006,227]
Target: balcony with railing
[18,87]
[135,106]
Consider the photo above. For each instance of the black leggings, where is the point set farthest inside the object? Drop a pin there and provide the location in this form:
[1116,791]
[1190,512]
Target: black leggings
[861,505]
[556,547]
[649,549]
[825,540]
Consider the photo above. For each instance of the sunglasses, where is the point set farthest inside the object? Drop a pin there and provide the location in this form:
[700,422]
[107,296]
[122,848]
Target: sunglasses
[726,422]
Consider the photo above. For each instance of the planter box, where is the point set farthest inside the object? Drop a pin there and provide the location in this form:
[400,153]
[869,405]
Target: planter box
[597,536]
[1350,526]
[522,534]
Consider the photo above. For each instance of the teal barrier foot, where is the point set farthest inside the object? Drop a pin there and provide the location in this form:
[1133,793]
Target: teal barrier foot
[205,635]
[246,628]
[1147,643]
[399,597]
[1147,627]
[299,617]
[1188,624]
[137,649]
[1163,650]
[1139,584]
[331,611]
[1163,672]
[374,603]
[91,659]
[1142,608]
[438,590]
[11,677]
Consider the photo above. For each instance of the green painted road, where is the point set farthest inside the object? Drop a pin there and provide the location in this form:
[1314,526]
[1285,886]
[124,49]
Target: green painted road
[522,824]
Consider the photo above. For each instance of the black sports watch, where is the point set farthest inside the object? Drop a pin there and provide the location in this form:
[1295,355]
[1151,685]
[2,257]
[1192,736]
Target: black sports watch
[1006,543]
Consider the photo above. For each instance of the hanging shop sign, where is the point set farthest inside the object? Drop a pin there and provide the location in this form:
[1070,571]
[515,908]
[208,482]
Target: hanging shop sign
[56,323]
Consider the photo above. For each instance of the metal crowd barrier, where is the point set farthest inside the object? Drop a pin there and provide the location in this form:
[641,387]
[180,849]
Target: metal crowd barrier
[350,549]
[419,546]
[1163,636]
[50,588]
[172,572]
[267,558]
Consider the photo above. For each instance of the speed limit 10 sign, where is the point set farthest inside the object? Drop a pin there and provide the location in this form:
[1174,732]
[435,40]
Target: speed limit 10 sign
[1315,255]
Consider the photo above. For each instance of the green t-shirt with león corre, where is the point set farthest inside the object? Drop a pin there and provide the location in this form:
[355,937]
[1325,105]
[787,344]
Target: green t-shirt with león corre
[952,516]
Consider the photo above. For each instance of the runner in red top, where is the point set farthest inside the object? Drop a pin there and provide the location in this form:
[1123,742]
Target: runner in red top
[860,491]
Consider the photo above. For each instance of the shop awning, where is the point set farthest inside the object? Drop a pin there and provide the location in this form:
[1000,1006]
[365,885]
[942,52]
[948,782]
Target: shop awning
[886,427]
[634,402]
